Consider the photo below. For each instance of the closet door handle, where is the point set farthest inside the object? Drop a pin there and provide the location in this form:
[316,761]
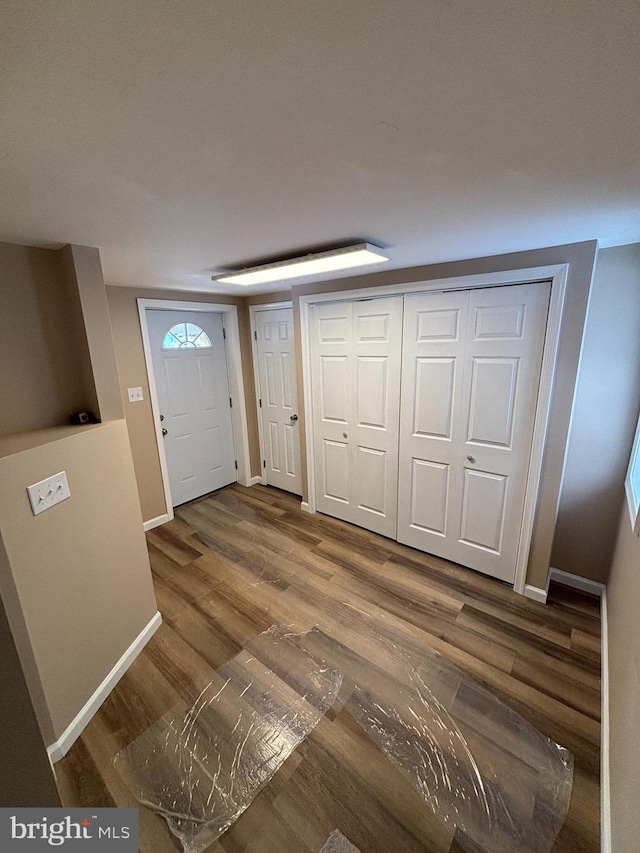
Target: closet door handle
[471,458]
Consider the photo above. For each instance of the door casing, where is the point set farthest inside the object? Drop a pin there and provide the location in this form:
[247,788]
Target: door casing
[236,385]
[555,274]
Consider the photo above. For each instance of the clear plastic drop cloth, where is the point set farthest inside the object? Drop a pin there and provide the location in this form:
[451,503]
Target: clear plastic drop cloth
[479,766]
[201,767]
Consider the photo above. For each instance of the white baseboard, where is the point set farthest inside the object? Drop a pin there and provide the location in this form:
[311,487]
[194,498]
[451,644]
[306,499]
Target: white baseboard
[535,593]
[305,506]
[257,480]
[156,522]
[75,728]
[575,581]
[605,778]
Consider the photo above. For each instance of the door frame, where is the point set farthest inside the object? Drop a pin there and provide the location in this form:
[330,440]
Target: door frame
[236,388]
[557,275]
[253,309]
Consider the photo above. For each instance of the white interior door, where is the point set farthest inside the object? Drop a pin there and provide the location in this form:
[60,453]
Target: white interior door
[190,370]
[471,370]
[430,419]
[355,349]
[278,405]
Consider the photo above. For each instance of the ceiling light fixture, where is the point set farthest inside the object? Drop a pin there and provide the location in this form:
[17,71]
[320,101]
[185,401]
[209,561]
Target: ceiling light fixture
[360,255]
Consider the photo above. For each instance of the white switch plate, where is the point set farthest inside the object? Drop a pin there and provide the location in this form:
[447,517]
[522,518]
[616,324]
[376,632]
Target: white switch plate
[48,493]
[135,395]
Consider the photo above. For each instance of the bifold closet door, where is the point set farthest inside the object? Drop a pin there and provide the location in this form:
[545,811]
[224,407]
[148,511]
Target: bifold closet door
[471,371]
[355,352]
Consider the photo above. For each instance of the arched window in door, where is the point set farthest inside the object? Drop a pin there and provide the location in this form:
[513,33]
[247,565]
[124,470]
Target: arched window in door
[186,336]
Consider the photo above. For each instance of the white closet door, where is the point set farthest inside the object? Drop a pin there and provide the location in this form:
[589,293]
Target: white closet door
[355,348]
[430,425]
[278,399]
[471,373]
[505,341]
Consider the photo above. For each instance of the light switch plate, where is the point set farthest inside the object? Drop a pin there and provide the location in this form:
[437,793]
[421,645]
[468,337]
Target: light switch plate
[48,493]
[135,395]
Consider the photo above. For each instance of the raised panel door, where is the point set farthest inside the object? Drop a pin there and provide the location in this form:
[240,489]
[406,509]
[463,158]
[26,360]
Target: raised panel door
[355,349]
[430,429]
[193,394]
[503,359]
[278,399]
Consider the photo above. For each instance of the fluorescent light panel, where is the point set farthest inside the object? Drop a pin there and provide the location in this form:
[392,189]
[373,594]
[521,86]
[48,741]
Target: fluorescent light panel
[363,254]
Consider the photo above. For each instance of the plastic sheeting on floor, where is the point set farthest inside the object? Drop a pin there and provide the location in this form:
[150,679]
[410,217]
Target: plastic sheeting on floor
[201,767]
[483,770]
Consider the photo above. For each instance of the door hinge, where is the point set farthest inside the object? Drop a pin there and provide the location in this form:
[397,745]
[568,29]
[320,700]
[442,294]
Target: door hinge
[230,403]
[260,402]
[224,333]
[255,334]
[236,461]
[264,463]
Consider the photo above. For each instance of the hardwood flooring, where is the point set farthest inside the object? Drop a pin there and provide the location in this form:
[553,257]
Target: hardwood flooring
[231,565]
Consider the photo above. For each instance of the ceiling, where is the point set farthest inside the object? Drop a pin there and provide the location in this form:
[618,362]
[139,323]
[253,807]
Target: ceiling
[186,136]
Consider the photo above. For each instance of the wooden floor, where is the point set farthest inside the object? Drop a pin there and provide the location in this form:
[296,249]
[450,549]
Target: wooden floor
[231,565]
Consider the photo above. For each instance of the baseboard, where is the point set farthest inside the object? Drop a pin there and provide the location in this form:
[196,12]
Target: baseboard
[577,582]
[605,778]
[73,731]
[256,481]
[535,593]
[156,522]
[305,506]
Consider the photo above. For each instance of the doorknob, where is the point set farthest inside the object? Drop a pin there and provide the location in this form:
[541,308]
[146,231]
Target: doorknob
[471,458]
[164,431]
[161,417]
[293,418]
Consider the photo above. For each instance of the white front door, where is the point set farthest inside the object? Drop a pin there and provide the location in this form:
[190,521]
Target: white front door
[471,370]
[278,403]
[190,370]
[355,348]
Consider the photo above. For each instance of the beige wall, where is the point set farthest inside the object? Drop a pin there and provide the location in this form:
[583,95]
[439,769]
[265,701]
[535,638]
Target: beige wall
[623,595]
[266,298]
[604,415]
[620,269]
[75,579]
[26,777]
[84,272]
[127,339]
[45,371]
[580,257]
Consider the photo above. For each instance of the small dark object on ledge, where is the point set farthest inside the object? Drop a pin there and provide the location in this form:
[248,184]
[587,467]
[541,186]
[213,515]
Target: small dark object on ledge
[82,418]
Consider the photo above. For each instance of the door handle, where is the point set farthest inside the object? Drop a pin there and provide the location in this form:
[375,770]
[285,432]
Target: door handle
[293,418]
[164,431]
[471,458]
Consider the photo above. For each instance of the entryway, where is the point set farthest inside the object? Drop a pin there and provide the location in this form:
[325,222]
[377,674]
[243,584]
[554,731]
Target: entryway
[190,367]
[192,351]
